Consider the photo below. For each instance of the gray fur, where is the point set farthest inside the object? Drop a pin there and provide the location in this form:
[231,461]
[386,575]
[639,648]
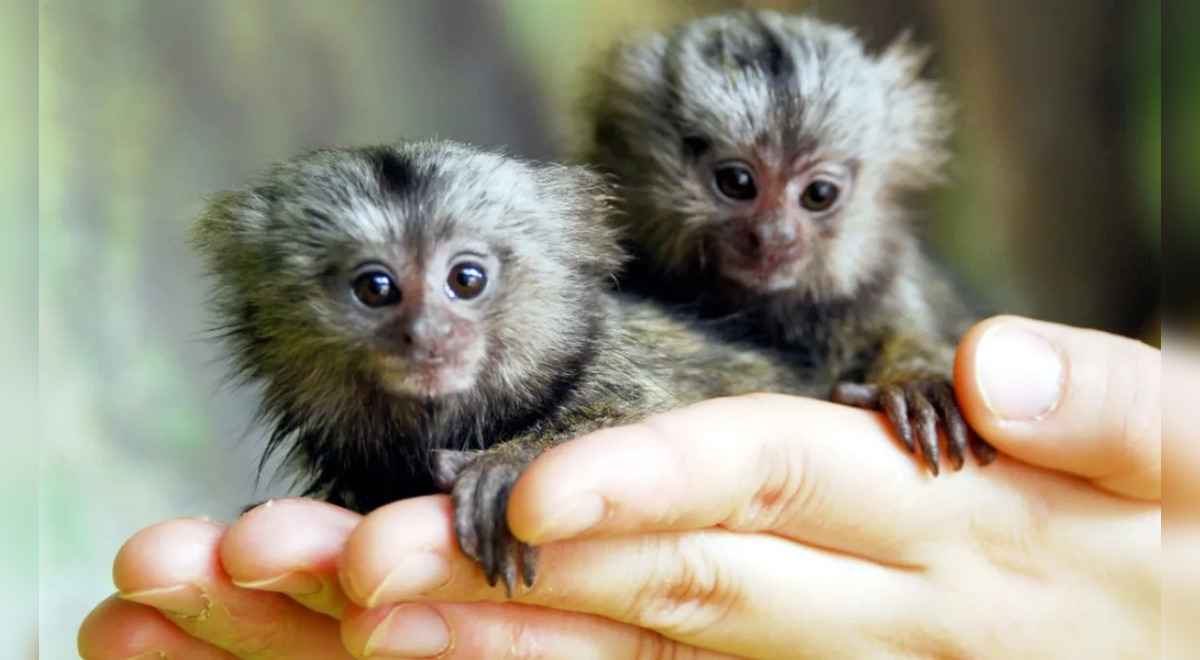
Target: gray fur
[863,303]
[561,354]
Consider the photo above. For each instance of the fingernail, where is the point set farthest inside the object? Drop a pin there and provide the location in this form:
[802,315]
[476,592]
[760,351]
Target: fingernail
[150,655]
[1019,374]
[184,600]
[299,583]
[572,519]
[417,574]
[408,631]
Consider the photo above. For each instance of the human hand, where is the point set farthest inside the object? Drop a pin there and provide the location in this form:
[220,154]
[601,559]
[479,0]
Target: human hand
[417,535]
[179,593]
[193,588]
[812,538]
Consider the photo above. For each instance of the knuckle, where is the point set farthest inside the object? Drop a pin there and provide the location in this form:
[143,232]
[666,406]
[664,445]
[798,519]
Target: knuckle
[691,588]
[782,490]
[1012,535]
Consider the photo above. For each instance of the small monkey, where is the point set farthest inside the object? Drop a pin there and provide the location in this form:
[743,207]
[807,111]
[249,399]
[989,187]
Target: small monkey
[760,162]
[427,316]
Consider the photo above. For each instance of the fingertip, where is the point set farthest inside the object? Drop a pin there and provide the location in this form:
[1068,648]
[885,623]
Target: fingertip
[285,536]
[558,495]
[541,491]
[168,554]
[1065,398]
[1017,372]
[402,549]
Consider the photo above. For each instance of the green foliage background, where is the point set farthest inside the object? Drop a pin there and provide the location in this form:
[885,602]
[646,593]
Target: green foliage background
[147,105]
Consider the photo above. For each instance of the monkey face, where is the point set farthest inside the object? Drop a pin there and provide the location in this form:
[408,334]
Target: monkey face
[425,318]
[426,270]
[765,150]
[772,219]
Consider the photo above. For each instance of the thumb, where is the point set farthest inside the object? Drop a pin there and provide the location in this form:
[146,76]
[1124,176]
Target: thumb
[1079,401]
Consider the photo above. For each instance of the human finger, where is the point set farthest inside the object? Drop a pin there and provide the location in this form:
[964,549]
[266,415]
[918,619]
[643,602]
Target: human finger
[290,546]
[466,631]
[121,630]
[1069,399]
[174,567]
[687,586]
[808,470]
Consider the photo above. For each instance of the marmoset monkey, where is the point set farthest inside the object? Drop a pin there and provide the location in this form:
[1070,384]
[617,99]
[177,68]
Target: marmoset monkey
[427,316]
[760,163]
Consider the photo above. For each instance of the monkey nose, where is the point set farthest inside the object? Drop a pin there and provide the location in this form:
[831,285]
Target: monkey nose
[426,332]
[767,240]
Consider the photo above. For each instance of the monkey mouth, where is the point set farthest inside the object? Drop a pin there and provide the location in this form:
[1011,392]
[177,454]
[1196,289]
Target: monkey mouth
[765,272]
[429,375]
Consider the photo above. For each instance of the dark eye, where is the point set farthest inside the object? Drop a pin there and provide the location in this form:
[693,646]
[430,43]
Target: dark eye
[819,196]
[376,289]
[735,182]
[467,280]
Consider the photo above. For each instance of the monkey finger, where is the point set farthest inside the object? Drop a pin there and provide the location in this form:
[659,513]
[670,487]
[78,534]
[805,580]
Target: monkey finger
[529,563]
[952,421]
[925,422]
[491,515]
[175,568]
[892,398]
[984,452]
[859,395]
[483,521]
[744,463]
[290,546]
[466,532]
[447,466]
[509,567]
[466,631]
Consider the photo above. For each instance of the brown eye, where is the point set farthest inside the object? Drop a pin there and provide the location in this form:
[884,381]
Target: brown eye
[467,280]
[735,182]
[376,289]
[819,196]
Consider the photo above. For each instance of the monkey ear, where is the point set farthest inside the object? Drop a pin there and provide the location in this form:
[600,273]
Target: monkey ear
[905,57]
[920,115]
[624,85]
[586,200]
[226,229]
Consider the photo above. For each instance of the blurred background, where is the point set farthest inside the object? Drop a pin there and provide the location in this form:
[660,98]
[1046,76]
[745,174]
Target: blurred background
[1052,210]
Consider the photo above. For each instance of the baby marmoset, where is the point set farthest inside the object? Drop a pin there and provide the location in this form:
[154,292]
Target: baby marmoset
[760,162]
[427,316]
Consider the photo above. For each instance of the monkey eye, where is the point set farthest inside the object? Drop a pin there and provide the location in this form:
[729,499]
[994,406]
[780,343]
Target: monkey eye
[820,195]
[466,281]
[376,289]
[735,182]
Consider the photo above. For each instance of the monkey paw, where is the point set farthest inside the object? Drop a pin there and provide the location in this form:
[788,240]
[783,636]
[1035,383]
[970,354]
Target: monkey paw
[479,483]
[915,404]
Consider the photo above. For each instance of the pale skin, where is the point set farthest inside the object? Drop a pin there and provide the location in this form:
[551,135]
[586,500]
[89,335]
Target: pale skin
[795,537]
